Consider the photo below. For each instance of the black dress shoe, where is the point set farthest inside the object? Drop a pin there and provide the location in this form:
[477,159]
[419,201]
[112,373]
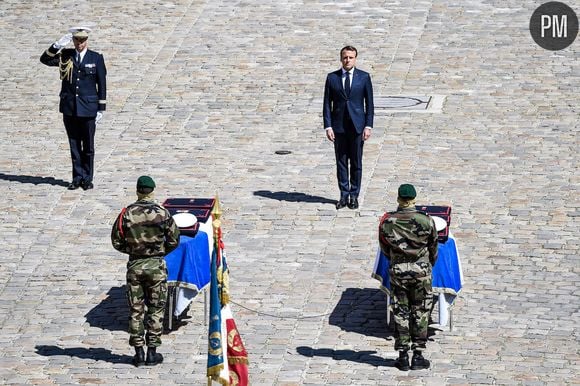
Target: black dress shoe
[73,185]
[87,185]
[341,203]
[353,203]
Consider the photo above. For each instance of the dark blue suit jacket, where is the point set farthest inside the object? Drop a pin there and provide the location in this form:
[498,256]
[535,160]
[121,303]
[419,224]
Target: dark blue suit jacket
[84,86]
[359,104]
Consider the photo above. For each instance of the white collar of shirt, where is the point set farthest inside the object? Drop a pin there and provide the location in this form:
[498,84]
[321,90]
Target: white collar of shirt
[82,54]
[351,72]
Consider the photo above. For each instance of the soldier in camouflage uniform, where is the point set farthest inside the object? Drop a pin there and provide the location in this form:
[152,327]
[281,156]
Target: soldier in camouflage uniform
[408,238]
[146,232]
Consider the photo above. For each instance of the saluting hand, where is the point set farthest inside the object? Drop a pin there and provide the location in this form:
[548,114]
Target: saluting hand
[63,41]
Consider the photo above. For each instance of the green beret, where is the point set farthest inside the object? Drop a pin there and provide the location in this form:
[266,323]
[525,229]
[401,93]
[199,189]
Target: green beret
[407,191]
[145,182]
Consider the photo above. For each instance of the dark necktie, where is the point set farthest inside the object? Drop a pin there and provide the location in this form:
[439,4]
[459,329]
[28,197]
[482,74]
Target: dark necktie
[347,83]
[78,57]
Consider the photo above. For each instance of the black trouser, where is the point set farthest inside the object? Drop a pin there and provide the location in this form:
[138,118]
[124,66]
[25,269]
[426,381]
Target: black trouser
[81,139]
[348,148]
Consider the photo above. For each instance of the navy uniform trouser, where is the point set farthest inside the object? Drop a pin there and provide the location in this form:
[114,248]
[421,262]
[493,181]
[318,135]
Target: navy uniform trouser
[81,139]
[348,148]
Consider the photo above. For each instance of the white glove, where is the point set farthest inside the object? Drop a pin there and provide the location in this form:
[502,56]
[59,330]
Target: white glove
[63,41]
[99,116]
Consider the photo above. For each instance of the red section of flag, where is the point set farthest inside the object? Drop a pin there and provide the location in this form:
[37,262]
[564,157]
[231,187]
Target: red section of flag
[237,356]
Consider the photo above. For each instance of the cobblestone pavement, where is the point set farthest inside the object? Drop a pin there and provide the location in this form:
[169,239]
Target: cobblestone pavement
[202,94]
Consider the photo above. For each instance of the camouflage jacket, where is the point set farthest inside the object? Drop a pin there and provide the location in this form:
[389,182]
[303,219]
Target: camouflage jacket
[145,229]
[408,236]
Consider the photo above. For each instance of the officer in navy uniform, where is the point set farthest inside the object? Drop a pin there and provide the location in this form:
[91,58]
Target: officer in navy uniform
[82,99]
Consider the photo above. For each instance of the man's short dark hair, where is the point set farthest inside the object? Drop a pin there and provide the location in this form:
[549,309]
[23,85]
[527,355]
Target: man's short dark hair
[144,190]
[348,48]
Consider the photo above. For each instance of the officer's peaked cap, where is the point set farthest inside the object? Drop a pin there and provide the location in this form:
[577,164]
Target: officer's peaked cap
[80,32]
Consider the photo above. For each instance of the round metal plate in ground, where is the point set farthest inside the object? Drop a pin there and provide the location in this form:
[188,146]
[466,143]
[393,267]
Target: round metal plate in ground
[398,102]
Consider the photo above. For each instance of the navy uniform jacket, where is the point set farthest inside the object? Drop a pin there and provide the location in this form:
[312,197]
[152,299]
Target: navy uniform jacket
[359,104]
[84,85]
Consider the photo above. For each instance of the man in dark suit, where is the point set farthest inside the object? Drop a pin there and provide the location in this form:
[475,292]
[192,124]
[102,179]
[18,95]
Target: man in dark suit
[82,99]
[348,114]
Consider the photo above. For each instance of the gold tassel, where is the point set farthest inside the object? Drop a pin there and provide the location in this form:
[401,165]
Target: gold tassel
[65,69]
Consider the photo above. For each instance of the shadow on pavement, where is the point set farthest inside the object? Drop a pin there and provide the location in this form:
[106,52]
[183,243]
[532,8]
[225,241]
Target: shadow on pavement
[293,197]
[112,313]
[33,179]
[97,354]
[366,357]
[364,311]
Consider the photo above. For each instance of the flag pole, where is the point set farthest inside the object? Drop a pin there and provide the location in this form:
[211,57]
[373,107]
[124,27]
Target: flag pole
[216,213]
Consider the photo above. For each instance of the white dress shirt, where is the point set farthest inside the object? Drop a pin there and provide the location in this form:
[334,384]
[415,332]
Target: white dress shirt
[351,72]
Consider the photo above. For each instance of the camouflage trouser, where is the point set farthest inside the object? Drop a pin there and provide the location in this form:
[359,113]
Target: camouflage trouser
[146,287]
[412,298]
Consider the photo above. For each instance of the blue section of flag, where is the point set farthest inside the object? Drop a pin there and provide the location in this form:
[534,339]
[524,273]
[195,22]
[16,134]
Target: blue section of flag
[446,272]
[215,354]
[188,263]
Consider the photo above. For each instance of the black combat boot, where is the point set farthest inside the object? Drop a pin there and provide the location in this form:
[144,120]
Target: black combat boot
[153,357]
[418,362]
[139,358]
[402,363]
